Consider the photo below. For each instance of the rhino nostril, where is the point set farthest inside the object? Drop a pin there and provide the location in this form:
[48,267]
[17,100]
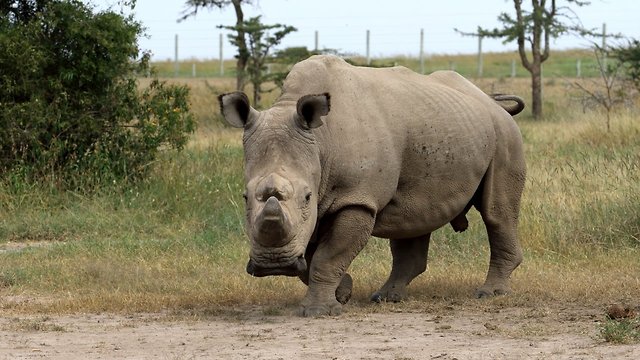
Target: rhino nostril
[274,186]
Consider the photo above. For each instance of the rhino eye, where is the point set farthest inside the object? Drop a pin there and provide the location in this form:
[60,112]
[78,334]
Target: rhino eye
[307,197]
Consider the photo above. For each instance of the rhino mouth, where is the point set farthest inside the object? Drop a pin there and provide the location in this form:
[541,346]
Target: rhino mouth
[296,268]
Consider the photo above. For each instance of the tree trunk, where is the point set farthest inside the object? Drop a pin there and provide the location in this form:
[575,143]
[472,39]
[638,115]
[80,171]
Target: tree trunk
[536,91]
[256,95]
[243,53]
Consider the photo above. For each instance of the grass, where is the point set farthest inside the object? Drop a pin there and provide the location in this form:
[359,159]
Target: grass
[495,65]
[175,241]
[621,331]
[40,324]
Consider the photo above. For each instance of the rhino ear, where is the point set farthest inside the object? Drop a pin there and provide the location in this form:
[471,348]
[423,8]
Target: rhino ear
[311,107]
[235,108]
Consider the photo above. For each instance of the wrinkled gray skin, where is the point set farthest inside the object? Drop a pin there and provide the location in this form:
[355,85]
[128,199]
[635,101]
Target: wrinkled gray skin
[349,152]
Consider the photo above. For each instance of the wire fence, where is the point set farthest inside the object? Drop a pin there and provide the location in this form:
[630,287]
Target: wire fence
[568,63]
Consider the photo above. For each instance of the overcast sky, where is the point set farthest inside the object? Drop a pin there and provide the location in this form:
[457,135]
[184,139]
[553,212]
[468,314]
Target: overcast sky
[342,24]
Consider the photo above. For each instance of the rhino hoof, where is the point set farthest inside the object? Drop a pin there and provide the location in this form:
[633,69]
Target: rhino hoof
[343,292]
[487,293]
[321,310]
[376,298]
[394,294]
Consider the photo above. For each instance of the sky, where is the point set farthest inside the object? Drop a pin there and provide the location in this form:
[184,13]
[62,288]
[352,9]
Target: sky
[342,25]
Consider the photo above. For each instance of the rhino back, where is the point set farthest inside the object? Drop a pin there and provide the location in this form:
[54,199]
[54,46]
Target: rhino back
[411,148]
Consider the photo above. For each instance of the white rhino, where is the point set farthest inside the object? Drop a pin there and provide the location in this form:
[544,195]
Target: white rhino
[349,152]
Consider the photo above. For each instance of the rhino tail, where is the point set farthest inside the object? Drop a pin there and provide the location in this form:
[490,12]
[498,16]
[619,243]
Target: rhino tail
[516,103]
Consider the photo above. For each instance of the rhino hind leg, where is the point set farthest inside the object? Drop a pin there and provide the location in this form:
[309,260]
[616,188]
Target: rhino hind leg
[409,261]
[499,207]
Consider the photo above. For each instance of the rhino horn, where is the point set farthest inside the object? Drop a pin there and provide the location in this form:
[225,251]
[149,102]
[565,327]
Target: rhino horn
[272,225]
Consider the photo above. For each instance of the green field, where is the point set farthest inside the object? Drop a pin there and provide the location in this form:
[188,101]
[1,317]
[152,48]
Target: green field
[175,241]
[495,65]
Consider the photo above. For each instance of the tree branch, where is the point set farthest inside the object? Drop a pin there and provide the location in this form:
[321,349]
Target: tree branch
[521,36]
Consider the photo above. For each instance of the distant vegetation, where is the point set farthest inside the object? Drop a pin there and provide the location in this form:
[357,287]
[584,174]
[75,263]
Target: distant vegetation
[496,65]
[71,111]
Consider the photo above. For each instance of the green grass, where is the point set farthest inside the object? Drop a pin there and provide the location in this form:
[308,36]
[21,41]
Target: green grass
[621,331]
[495,65]
[175,241]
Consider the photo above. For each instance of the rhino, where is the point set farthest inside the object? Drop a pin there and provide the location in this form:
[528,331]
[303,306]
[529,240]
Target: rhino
[348,152]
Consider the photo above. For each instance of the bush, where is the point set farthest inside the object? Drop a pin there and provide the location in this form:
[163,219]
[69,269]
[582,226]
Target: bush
[629,56]
[70,107]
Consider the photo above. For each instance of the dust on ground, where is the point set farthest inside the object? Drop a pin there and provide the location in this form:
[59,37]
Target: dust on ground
[361,332]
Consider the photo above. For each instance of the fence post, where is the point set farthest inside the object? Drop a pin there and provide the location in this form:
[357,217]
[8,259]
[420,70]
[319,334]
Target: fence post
[193,70]
[176,64]
[221,58]
[578,68]
[480,56]
[316,42]
[368,53]
[513,68]
[421,51]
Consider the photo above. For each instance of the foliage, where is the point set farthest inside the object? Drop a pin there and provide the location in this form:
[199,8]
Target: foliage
[629,56]
[621,331]
[536,26]
[260,42]
[288,57]
[70,105]
[610,90]
[193,6]
[242,58]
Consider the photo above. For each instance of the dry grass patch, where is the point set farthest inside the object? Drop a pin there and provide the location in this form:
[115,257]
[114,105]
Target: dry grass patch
[175,241]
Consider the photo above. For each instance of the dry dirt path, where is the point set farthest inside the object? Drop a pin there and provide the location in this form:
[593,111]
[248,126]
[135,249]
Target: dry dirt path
[511,333]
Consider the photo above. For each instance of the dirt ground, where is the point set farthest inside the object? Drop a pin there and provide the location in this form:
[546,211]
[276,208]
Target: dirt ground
[362,332]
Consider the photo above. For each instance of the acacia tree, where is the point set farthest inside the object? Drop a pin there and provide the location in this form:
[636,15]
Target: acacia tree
[238,38]
[261,38]
[536,26]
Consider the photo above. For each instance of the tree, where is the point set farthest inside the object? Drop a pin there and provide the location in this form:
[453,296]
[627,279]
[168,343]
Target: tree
[611,89]
[629,56]
[545,20]
[287,57]
[70,106]
[261,41]
[239,36]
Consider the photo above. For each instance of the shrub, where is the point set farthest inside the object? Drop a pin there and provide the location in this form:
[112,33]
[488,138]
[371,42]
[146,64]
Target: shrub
[70,108]
[629,56]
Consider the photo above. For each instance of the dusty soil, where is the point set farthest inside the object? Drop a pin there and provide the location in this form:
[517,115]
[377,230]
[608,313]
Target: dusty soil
[362,332]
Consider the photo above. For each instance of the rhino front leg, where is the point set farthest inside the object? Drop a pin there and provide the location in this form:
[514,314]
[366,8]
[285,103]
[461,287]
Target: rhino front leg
[343,292]
[409,261]
[346,235]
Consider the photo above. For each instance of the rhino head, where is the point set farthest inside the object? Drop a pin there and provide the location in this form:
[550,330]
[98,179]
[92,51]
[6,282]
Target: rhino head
[282,177]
